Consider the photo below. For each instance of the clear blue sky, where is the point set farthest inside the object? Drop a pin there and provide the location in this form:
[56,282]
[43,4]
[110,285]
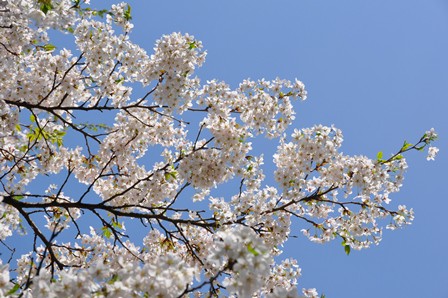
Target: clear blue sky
[378,70]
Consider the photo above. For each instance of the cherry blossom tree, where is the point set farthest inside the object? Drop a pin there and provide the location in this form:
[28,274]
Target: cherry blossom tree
[123,134]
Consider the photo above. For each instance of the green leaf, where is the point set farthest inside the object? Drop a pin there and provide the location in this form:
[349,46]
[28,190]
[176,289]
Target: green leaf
[18,128]
[379,156]
[347,249]
[127,13]
[49,47]
[45,6]
[106,232]
[398,157]
[31,136]
[118,81]
[117,224]
[167,244]
[406,146]
[18,198]
[171,175]
[13,290]
[192,45]
[99,12]
[113,279]
[252,250]
[57,137]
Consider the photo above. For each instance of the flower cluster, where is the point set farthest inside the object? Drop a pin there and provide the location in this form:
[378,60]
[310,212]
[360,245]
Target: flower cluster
[4,279]
[204,168]
[174,61]
[9,220]
[266,106]
[242,252]
[313,173]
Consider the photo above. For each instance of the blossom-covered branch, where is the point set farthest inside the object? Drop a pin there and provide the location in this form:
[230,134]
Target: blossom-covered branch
[134,139]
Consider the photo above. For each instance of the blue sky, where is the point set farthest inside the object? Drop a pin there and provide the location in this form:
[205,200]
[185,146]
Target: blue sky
[378,70]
